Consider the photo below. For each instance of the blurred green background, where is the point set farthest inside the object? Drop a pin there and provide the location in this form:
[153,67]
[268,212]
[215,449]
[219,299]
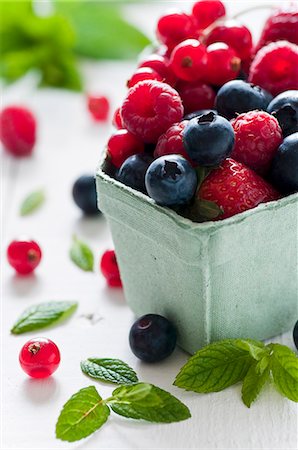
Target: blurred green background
[51,37]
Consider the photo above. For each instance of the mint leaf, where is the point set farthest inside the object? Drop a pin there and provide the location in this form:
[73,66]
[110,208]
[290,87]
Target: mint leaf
[107,369]
[215,367]
[82,255]
[256,348]
[32,202]
[84,413]
[93,22]
[140,393]
[284,366]
[157,406]
[42,315]
[253,383]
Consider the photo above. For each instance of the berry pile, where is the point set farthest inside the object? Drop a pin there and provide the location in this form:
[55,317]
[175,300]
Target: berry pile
[210,121]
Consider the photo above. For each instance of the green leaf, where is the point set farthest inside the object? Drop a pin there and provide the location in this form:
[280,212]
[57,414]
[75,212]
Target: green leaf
[32,202]
[202,173]
[284,366]
[101,31]
[84,413]
[107,369]
[82,255]
[139,393]
[43,315]
[166,410]
[256,348]
[215,367]
[253,383]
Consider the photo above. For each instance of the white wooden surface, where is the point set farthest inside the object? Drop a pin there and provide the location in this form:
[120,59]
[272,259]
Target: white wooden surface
[69,144]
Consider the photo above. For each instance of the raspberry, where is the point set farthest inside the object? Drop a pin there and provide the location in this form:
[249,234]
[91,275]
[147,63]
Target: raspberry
[196,96]
[257,138]
[117,119]
[236,188]
[234,35]
[17,130]
[150,108]
[121,145]
[99,107]
[188,60]
[160,64]
[207,11]
[281,25]
[170,143]
[144,73]
[175,27]
[223,64]
[275,67]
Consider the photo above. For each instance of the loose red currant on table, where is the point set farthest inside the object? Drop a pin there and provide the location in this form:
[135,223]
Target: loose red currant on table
[150,108]
[39,357]
[160,64]
[257,138]
[99,107]
[195,96]
[121,145]
[17,130]
[223,64]
[176,27]
[275,67]
[188,60]
[109,269]
[24,256]
[234,35]
[207,11]
[143,73]
[117,119]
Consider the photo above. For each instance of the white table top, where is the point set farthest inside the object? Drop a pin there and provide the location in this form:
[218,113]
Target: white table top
[69,144]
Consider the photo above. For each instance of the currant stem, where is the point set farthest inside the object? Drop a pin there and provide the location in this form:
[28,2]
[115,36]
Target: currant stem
[252,8]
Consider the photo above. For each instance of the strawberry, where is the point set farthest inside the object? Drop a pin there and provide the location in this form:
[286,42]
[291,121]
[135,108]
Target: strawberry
[281,25]
[17,130]
[235,188]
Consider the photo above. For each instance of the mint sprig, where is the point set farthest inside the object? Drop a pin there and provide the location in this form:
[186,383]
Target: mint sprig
[222,364]
[81,254]
[85,412]
[43,315]
[32,202]
[110,370]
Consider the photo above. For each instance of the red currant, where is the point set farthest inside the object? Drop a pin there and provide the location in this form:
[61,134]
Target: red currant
[117,119]
[24,256]
[188,60]
[196,96]
[207,11]
[160,64]
[18,130]
[123,144]
[39,357]
[99,107]
[223,64]
[175,27]
[143,73]
[234,35]
[109,269]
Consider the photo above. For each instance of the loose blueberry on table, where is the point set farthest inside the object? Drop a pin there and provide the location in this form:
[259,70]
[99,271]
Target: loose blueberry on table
[84,194]
[39,357]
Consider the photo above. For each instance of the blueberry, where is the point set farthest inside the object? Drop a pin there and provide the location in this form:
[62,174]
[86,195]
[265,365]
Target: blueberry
[208,139]
[152,338]
[133,170]
[284,169]
[285,108]
[170,180]
[198,113]
[295,334]
[84,194]
[237,96]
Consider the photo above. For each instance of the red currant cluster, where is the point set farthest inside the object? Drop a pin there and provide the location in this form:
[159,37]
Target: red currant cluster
[206,94]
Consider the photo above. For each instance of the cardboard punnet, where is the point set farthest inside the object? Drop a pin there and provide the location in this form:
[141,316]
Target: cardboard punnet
[236,277]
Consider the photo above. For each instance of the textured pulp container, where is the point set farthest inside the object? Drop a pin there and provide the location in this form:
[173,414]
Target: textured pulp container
[232,278]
